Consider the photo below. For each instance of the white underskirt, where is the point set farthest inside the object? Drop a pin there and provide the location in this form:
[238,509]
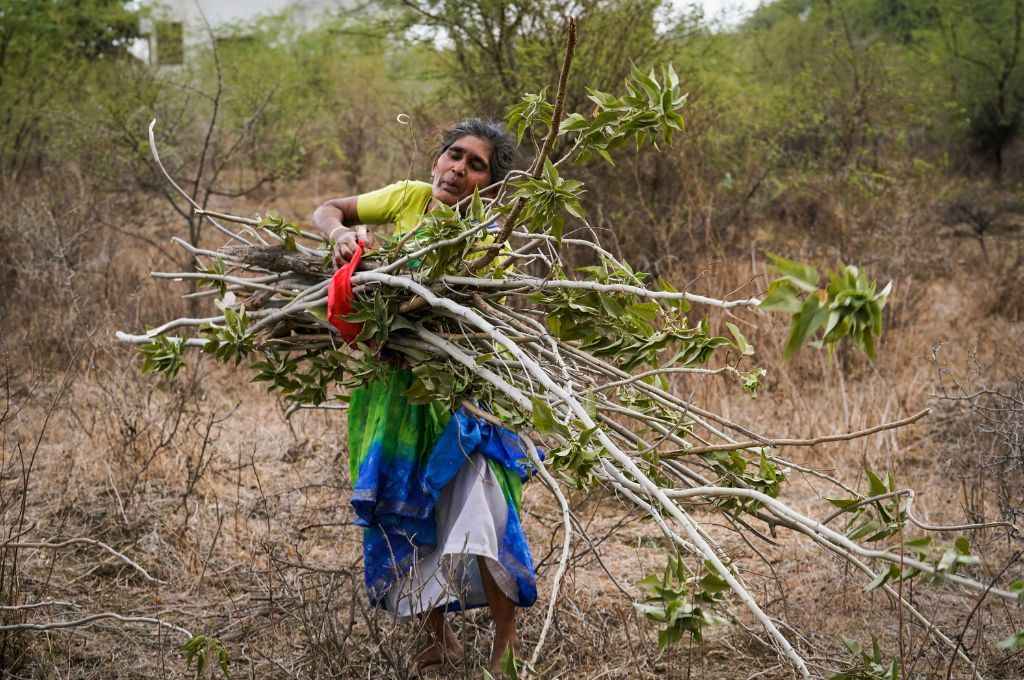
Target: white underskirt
[471,516]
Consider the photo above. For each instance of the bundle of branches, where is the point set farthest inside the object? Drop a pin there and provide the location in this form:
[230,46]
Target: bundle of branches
[575,359]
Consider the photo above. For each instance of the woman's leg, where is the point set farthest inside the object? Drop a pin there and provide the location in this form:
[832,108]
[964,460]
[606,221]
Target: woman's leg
[444,645]
[503,610]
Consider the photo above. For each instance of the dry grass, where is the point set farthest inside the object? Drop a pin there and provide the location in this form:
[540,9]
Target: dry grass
[245,515]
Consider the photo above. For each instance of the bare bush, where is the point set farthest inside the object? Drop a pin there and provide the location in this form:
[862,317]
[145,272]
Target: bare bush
[985,416]
[71,267]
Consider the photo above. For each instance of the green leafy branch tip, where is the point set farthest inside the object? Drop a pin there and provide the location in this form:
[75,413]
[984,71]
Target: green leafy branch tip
[284,230]
[647,113]
[163,355]
[850,306]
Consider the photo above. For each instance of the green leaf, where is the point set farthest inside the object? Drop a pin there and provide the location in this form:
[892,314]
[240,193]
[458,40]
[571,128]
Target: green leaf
[862,530]
[671,77]
[781,297]
[163,355]
[876,487]
[924,542]
[804,324]
[543,417]
[222,661]
[477,210]
[668,637]
[741,343]
[713,584]
[802,276]
[882,578]
[509,665]
[199,648]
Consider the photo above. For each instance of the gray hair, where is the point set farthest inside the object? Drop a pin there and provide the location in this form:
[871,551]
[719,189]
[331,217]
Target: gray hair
[503,147]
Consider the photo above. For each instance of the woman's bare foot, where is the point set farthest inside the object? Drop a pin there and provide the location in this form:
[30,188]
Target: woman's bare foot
[498,651]
[444,646]
[436,654]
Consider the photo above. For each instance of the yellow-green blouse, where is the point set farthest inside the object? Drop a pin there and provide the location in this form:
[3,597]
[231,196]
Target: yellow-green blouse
[402,203]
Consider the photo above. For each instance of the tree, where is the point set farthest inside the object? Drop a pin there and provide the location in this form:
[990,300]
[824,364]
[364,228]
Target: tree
[500,49]
[828,79]
[902,20]
[769,14]
[983,41]
[44,46]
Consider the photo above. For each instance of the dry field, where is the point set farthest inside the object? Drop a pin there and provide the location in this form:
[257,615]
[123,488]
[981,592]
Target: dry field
[238,519]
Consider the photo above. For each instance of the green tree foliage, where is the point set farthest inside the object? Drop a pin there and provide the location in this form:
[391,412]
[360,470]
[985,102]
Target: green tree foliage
[45,48]
[77,28]
[983,42]
[832,86]
[768,15]
[903,21]
[497,50]
[867,665]
[257,104]
[873,70]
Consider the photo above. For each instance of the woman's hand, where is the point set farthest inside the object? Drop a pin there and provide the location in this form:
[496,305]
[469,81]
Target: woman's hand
[332,219]
[345,240]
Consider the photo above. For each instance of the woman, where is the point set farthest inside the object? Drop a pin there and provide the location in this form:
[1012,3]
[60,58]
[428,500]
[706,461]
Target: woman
[437,493]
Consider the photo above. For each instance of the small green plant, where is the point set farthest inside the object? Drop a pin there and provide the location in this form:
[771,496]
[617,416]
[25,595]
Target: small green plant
[752,380]
[681,602]
[533,110]
[949,561]
[550,197]
[305,380]
[623,328]
[868,666]
[882,516]
[510,666]
[577,460]
[215,268]
[736,470]
[1015,641]
[200,649]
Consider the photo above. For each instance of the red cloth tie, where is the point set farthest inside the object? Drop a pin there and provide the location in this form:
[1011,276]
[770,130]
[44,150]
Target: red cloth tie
[339,297]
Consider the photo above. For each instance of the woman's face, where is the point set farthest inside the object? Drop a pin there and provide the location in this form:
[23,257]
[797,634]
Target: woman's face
[464,166]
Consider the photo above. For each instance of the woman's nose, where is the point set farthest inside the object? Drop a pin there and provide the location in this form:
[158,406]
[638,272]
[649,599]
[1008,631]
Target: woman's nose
[459,166]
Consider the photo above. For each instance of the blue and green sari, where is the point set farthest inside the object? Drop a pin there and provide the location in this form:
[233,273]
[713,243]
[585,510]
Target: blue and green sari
[401,456]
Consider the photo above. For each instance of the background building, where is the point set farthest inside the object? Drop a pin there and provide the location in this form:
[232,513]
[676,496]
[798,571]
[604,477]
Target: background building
[176,27]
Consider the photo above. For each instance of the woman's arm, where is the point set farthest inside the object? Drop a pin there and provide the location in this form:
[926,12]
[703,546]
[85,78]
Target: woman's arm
[382,206]
[333,219]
